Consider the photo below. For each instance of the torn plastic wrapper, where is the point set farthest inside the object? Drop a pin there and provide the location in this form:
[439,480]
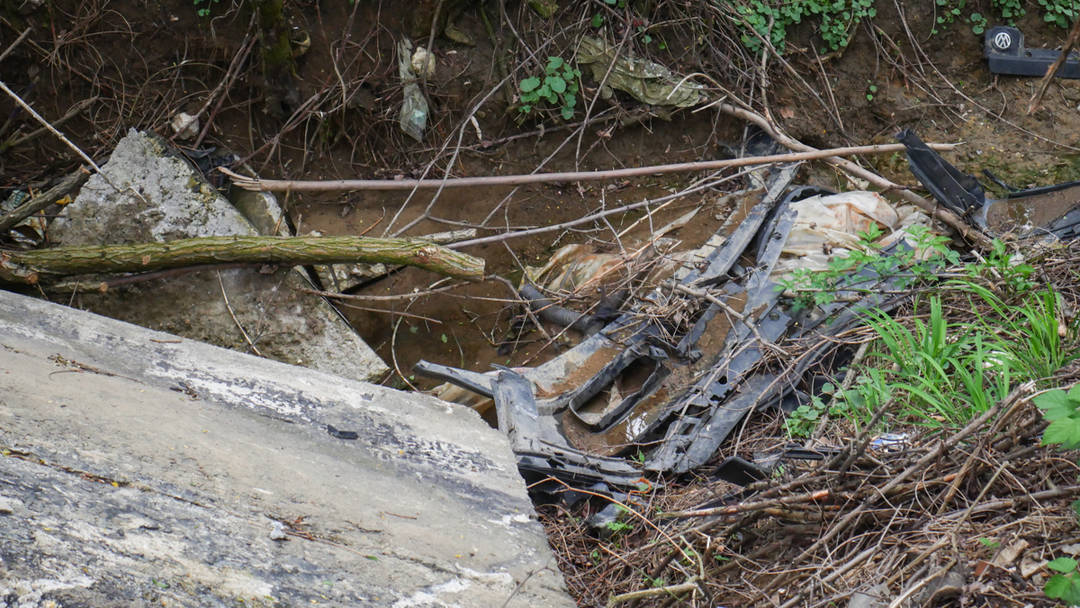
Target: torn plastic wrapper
[414,107]
[647,81]
[829,226]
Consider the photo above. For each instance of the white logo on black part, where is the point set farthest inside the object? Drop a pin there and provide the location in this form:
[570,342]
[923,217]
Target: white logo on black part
[1002,41]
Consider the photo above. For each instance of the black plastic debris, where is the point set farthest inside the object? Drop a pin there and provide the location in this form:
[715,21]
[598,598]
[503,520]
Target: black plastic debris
[743,472]
[670,395]
[563,317]
[546,461]
[1005,54]
[340,434]
[1044,211]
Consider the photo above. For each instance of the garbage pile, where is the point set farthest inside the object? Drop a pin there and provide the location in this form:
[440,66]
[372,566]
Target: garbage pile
[669,393]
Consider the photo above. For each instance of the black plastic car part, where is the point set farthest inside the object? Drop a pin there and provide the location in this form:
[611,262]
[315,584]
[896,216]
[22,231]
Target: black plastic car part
[1006,54]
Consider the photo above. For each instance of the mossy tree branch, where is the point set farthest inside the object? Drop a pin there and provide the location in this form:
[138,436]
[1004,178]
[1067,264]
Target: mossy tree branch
[27,267]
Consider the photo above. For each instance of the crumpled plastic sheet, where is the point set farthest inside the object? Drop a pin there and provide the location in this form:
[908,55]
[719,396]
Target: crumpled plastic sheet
[646,81]
[828,227]
[414,108]
[571,267]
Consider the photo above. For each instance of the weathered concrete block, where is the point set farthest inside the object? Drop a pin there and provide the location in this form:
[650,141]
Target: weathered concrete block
[162,199]
[139,468]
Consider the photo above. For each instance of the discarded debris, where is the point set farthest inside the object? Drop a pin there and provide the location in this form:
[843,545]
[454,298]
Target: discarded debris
[1036,212]
[643,384]
[185,126]
[340,434]
[1006,54]
[27,207]
[647,81]
[414,108]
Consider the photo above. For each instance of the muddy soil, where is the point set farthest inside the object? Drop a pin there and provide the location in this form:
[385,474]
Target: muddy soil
[329,110]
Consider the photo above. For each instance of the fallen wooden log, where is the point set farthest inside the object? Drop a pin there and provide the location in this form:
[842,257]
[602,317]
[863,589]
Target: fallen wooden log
[28,267]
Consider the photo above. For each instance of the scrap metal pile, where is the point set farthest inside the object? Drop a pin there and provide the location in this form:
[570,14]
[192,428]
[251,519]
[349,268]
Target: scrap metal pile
[671,393]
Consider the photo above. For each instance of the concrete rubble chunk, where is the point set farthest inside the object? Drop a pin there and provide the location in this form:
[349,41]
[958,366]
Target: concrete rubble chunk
[139,468]
[162,199]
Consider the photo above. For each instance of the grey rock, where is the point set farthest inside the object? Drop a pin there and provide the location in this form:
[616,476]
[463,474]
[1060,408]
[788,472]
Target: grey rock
[8,505]
[162,199]
[278,532]
[874,597]
[148,466]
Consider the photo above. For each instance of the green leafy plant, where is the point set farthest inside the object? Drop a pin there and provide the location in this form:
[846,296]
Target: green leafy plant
[557,87]
[1060,12]
[948,372]
[870,91]
[804,419]
[1064,585]
[870,392]
[1009,10]
[1002,266]
[857,404]
[1029,330]
[947,12]
[978,23]
[989,543]
[772,18]
[202,7]
[1062,409]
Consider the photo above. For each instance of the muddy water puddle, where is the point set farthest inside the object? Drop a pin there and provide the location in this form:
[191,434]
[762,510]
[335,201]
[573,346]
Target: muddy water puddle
[478,325]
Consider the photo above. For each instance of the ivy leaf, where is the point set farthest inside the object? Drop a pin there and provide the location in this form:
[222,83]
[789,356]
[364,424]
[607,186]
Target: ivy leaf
[529,84]
[597,20]
[555,84]
[567,112]
[554,63]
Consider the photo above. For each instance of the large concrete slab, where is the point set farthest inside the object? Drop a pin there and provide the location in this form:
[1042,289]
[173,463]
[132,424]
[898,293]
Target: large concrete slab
[140,468]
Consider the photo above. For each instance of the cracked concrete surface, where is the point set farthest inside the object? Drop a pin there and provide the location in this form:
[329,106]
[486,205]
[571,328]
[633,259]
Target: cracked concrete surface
[139,468]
